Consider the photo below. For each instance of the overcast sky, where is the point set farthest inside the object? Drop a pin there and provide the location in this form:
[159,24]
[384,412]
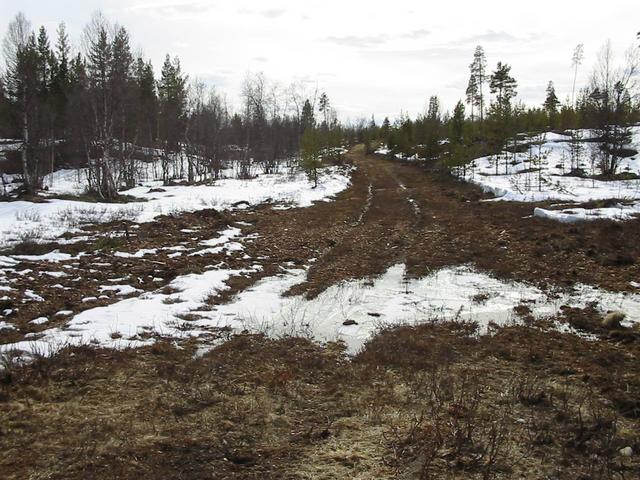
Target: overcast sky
[372,56]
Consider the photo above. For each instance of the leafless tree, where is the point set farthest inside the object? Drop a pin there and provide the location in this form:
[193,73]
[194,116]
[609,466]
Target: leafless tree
[611,91]
[576,61]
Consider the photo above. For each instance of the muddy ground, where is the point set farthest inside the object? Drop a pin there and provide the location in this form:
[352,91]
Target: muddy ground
[526,402]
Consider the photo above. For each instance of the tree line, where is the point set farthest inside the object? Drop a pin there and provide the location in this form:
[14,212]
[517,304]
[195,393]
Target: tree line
[490,118]
[104,108]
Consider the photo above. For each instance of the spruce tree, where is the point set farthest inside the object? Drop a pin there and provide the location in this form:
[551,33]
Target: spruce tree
[384,129]
[551,104]
[147,101]
[121,82]
[172,106]
[307,119]
[45,61]
[432,129]
[457,123]
[61,82]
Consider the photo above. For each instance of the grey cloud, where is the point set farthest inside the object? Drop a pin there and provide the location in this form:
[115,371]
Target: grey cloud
[168,9]
[273,12]
[367,41]
[489,36]
[501,36]
[269,13]
[415,34]
[358,41]
[438,51]
[214,79]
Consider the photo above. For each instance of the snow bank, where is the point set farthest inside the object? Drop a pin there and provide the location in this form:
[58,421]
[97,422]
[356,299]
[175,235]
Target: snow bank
[572,215]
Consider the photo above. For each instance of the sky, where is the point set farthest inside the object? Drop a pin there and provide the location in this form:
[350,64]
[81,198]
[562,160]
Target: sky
[370,57]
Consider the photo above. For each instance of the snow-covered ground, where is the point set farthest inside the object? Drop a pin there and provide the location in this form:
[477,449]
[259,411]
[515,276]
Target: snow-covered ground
[541,174]
[23,220]
[349,311]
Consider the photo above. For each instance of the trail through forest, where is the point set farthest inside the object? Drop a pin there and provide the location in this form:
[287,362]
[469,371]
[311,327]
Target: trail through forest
[393,213]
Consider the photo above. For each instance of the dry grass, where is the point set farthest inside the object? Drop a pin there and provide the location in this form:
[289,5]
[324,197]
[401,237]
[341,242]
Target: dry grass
[522,403]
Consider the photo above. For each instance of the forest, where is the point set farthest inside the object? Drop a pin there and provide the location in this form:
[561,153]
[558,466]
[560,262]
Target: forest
[106,109]
[491,119]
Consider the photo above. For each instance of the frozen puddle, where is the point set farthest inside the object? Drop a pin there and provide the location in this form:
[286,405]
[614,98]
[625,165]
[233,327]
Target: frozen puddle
[365,305]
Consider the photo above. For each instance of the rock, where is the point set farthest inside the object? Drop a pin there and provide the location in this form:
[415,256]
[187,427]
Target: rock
[347,323]
[612,319]
[626,451]
[156,190]
[241,203]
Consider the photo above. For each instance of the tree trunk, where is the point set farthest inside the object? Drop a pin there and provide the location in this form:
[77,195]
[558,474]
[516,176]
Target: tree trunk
[25,159]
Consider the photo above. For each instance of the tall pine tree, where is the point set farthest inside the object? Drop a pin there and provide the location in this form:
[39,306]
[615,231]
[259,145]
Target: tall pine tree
[477,80]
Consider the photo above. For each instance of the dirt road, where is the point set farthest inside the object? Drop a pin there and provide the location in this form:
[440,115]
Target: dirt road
[401,212]
[394,212]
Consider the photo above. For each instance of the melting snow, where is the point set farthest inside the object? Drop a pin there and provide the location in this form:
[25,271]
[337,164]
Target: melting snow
[452,293]
[392,299]
[119,290]
[49,220]
[518,179]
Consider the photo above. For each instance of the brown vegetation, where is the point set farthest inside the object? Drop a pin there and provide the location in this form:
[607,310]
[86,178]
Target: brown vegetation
[524,402]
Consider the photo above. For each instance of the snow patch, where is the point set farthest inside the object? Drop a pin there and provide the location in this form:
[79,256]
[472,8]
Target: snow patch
[543,174]
[51,219]
[120,290]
